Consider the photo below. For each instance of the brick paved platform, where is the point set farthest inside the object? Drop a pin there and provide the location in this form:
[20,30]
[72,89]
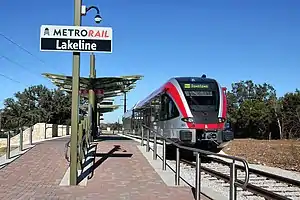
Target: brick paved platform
[123,174]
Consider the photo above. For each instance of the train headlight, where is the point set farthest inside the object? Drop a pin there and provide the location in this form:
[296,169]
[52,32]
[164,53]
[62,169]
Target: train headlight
[188,119]
[221,119]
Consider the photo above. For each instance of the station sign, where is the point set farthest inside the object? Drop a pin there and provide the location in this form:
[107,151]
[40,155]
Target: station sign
[75,39]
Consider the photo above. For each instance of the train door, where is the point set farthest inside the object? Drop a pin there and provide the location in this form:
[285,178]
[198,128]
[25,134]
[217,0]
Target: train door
[169,116]
[155,109]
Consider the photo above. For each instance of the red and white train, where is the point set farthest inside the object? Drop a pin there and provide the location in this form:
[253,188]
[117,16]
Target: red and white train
[189,110]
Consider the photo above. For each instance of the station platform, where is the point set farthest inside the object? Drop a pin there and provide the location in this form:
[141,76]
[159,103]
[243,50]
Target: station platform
[121,171]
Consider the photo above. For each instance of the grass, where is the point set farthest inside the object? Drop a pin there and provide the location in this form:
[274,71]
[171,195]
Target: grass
[275,153]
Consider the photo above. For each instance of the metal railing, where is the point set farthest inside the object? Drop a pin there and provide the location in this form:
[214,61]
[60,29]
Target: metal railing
[84,144]
[233,182]
[21,142]
[67,147]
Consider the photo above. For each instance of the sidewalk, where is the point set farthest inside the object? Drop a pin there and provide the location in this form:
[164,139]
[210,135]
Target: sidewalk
[121,172]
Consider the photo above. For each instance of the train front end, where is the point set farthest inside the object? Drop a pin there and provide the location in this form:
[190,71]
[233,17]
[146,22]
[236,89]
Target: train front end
[207,108]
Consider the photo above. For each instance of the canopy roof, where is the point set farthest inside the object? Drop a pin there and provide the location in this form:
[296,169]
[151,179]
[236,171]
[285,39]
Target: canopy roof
[112,86]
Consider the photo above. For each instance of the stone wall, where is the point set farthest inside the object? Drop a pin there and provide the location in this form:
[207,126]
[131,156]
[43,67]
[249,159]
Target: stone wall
[38,134]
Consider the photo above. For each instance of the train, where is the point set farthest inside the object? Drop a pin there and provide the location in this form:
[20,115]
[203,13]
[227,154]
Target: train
[191,111]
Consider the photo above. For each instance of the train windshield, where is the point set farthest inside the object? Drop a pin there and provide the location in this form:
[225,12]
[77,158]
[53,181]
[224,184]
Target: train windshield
[201,97]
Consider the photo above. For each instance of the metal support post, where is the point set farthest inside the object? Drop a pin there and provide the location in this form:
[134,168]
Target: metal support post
[98,121]
[75,101]
[142,139]
[8,146]
[30,135]
[80,133]
[45,134]
[98,118]
[92,97]
[125,102]
[118,125]
[21,140]
[86,123]
[177,175]
[232,194]
[198,176]
[83,122]
[164,155]
[155,146]
[148,140]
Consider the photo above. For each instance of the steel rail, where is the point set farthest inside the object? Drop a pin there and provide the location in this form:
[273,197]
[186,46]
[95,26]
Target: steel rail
[203,152]
[199,152]
[251,170]
[250,187]
[262,173]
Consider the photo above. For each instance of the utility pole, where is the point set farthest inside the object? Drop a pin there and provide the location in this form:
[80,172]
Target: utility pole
[75,101]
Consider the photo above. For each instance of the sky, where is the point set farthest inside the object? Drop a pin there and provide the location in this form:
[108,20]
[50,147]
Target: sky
[230,41]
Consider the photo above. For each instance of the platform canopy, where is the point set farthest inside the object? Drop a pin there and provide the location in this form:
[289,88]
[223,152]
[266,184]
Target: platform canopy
[112,86]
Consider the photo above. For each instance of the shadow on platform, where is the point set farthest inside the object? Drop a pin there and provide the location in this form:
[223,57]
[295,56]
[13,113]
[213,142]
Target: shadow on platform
[111,137]
[104,157]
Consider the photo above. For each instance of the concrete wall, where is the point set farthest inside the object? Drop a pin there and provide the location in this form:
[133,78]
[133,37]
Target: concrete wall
[38,134]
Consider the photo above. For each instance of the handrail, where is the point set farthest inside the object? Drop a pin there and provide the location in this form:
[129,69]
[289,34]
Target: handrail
[67,146]
[233,179]
[198,150]
[83,148]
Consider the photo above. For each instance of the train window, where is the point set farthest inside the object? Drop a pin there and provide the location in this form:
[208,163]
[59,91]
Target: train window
[173,111]
[168,108]
[208,99]
[198,93]
[164,108]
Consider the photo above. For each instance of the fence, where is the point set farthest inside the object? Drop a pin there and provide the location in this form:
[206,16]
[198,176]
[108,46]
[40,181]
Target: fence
[38,132]
[86,150]
[233,170]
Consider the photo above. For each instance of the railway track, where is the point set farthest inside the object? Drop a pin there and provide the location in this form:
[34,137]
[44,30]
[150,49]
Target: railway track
[261,185]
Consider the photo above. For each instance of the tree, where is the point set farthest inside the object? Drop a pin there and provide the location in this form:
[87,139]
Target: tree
[250,109]
[36,104]
[290,108]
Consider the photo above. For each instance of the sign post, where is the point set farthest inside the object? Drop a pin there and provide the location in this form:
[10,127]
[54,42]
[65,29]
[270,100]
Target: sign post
[75,101]
[76,39]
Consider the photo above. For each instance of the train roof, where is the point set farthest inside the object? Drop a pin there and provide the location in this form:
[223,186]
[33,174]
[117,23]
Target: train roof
[196,79]
[128,113]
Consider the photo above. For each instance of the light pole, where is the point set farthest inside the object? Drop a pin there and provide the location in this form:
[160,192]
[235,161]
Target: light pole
[92,96]
[84,10]
[79,10]
[75,101]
